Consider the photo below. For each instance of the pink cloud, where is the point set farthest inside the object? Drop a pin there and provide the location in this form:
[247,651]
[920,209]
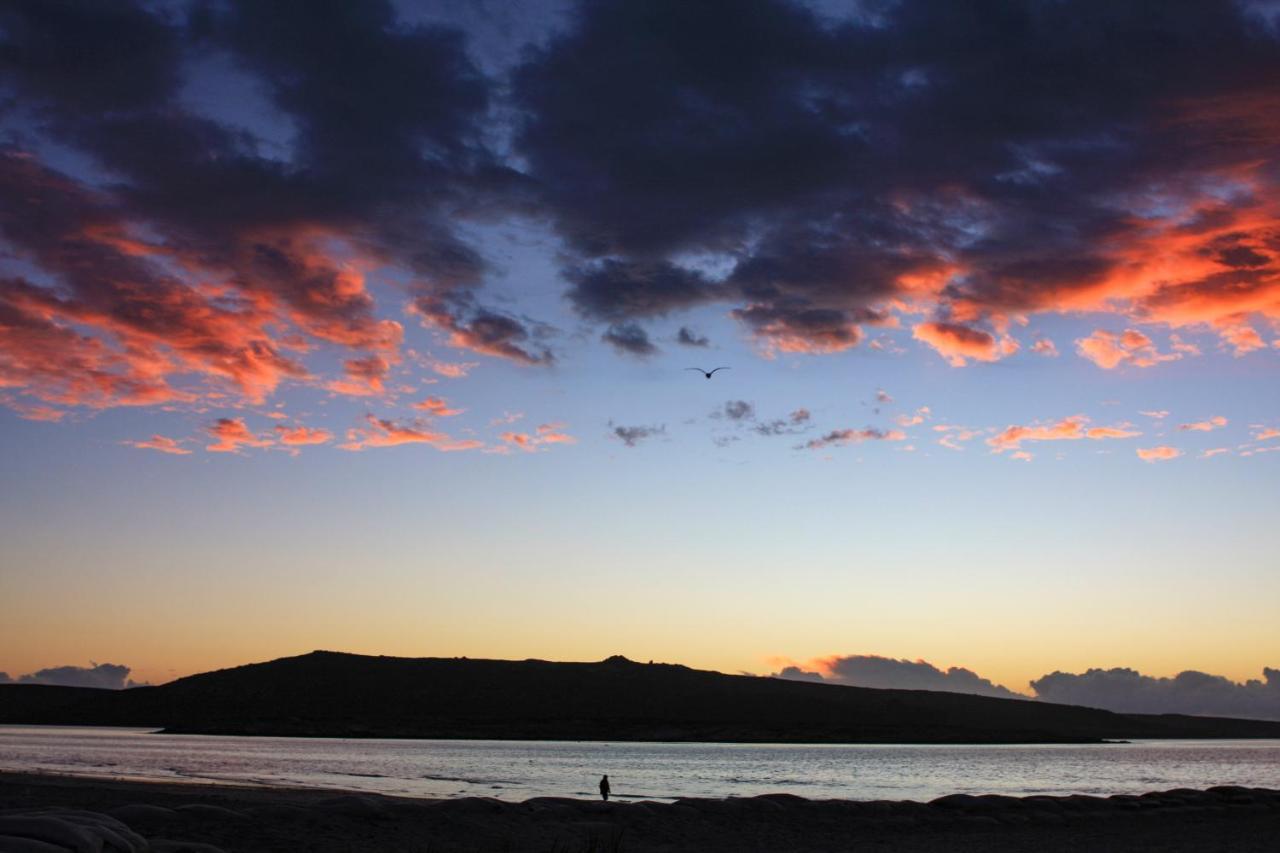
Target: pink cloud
[452,369]
[1242,339]
[954,437]
[301,436]
[552,433]
[1109,350]
[386,433]
[1067,429]
[1162,453]
[437,407]
[159,443]
[1045,347]
[1204,426]
[366,377]
[958,343]
[231,434]
[36,412]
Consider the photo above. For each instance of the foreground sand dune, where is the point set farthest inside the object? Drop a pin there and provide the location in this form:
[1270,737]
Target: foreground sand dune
[51,814]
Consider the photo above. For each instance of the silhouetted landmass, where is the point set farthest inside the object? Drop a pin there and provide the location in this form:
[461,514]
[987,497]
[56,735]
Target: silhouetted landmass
[344,695]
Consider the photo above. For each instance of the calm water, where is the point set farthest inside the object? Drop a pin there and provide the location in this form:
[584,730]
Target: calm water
[517,770]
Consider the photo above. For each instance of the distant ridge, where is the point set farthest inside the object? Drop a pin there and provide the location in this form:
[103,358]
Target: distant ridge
[334,694]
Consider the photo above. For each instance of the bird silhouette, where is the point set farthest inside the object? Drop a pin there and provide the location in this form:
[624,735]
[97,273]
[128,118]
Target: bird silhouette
[707,373]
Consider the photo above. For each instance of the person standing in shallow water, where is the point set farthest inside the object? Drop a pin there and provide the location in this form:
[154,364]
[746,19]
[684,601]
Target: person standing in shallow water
[604,787]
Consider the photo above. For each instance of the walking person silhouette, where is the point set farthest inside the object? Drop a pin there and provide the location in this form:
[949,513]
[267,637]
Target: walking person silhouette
[604,787]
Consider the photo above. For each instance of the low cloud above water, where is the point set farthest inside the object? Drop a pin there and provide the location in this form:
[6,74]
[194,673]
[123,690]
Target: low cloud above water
[1188,692]
[876,671]
[1122,690]
[111,676]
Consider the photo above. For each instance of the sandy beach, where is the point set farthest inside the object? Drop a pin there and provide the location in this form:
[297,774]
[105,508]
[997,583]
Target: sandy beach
[45,814]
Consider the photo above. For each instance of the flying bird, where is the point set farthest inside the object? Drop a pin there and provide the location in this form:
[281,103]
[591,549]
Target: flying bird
[707,373]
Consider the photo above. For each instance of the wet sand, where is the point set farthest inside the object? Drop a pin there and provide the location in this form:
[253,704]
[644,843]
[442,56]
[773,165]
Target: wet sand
[170,818]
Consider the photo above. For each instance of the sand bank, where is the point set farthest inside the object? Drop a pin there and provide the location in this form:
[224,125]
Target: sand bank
[170,818]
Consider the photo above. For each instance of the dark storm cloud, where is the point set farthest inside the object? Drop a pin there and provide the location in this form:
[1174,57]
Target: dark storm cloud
[689,338]
[614,290]
[111,676]
[946,165]
[629,338]
[876,671]
[633,435]
[386,155]
[976,160]
[1188,692]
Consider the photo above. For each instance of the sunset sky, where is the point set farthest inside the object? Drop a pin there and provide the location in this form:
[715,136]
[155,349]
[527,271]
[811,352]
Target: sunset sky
[365,327]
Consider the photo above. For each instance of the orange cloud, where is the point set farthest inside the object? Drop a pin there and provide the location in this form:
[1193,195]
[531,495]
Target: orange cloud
[365,377]
[1215,451]
[437,407]
[160,443]
[1242,339]
[1109,350]
[128,318]
[231,435]
[545,434]
[387,433]
[1253,451]
[451,369]
[553,434]
[954,436]
[1204,426]
[300,436]
[957,343]
[1045,347]
[914,419]
[1098,433]
[1161,453]
[522,440]
[1067,429]
[35,412]
[1266,433]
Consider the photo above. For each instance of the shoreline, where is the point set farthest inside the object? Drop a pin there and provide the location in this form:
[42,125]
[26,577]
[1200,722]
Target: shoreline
[241,817]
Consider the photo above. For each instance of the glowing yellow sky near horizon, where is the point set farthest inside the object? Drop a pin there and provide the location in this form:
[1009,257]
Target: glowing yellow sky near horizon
[183,625]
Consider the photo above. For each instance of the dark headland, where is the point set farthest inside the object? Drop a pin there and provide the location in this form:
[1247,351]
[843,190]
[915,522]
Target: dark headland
[344,695]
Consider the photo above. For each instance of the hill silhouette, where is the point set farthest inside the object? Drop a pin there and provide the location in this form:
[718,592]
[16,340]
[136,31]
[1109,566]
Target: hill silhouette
[345,695]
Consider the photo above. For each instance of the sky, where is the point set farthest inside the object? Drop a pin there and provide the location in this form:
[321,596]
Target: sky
[367,327]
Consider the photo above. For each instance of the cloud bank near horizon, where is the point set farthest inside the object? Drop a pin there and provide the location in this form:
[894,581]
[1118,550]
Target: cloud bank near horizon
[110,676]
[1118,689]
[882,672]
